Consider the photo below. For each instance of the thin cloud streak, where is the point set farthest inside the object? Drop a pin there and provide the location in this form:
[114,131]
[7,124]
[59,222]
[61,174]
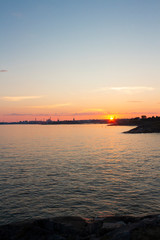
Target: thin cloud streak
[124,89]
[86,114]
[80,114]
[135,101]
[132,88]
[95,110]
[57,114]
[51,106]
[28,114]
[20,114]
[3,70]
[137,113]
[19,98]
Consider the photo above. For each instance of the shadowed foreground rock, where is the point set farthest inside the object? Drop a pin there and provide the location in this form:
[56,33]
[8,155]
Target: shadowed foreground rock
[77,228]
[146,128]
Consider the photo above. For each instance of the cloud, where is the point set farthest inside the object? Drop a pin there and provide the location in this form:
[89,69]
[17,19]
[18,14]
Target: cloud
[95,110]
[20,114]
[79,114]
[29,114]
[138,113]
[19,98]
[132,88]
[134,101]
[57,114]
[52,106]
[129,90]
[3,70]
[102,113]
[84,114]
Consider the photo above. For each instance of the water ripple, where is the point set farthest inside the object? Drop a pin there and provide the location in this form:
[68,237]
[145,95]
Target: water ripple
[77,170]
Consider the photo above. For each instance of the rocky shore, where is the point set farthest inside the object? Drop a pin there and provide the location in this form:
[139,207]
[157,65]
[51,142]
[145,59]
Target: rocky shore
[143,125]
[77,228]
[148,128]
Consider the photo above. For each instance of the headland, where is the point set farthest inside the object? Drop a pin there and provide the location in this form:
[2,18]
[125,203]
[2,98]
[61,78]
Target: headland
[142,125]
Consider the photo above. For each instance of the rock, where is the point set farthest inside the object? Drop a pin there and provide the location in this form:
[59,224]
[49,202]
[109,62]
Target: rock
[123,235]
[76,228]
[149,233]
[72,225]
[146,128]
[125,219]
[111,226]
[94,227]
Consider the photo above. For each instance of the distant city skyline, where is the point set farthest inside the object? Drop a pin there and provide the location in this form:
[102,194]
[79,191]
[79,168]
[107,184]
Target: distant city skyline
[88,59]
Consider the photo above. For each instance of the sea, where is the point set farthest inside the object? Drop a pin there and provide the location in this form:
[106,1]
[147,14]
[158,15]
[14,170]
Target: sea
[86,170]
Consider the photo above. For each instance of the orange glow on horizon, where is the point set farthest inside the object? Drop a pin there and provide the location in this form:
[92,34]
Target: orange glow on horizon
[111,117]
[43,117]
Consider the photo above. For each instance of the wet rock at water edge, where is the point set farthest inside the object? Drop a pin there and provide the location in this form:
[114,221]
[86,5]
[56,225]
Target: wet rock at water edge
[77,228]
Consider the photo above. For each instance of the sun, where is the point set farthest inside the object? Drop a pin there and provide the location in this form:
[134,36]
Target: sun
[111,118]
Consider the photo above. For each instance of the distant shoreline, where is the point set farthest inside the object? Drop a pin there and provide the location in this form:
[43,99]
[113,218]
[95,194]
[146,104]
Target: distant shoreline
[50,122]
[143,125]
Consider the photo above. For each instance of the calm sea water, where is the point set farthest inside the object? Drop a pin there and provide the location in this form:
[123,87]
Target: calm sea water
[85,170]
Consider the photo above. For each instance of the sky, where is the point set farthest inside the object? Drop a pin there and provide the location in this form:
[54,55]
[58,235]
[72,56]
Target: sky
[82,59]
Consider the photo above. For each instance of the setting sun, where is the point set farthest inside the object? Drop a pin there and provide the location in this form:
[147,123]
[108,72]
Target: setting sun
[111,117]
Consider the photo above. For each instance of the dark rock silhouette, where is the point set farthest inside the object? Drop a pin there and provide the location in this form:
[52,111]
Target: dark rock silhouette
[153,127]
[77,228]
[143,124]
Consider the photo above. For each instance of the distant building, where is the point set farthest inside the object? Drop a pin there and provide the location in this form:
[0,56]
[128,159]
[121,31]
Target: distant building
[48,120]
[143,117]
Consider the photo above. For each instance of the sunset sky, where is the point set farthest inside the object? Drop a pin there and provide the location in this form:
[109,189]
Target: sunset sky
[79,58]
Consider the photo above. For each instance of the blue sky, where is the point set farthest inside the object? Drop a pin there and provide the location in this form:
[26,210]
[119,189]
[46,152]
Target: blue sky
[88,56]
